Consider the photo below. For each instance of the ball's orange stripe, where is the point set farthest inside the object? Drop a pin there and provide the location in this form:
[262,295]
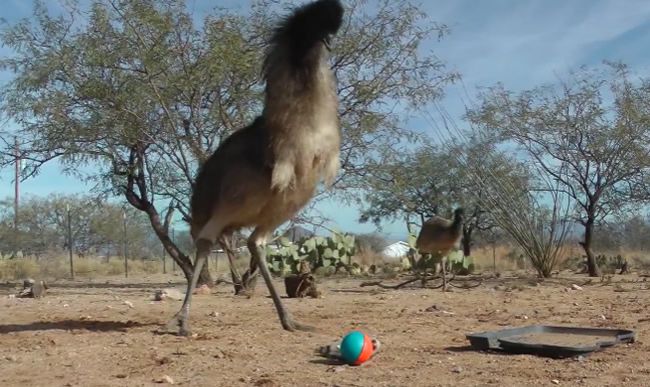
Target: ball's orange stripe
[366,350]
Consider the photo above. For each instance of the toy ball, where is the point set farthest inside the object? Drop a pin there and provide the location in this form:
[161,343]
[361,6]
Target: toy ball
[356,348]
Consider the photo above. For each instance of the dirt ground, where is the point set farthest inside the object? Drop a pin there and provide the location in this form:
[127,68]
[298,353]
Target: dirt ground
[84,334]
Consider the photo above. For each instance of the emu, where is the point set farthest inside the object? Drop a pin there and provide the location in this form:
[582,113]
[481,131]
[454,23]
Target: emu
[264,173]
[439,236]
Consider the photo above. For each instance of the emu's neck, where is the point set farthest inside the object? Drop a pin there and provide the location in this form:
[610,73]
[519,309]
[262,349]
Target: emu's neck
[457,224]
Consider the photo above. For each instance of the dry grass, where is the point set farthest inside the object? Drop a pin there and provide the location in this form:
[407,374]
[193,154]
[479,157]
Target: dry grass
[507,259]
[59,268]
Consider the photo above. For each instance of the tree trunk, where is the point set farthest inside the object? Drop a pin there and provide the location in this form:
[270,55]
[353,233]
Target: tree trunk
[494,257]
[246,286]
[181,259]
[592,266]
[136,177]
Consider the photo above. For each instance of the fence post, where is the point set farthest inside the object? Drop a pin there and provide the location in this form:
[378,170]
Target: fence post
[70,246]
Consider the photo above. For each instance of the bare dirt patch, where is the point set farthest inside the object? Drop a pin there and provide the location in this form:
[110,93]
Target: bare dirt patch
[103,333]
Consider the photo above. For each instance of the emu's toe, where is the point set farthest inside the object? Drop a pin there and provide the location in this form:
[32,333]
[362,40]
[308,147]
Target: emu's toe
[179,324]
[292,326]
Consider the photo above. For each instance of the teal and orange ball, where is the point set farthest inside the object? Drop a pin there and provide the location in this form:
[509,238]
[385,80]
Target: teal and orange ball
[356,348]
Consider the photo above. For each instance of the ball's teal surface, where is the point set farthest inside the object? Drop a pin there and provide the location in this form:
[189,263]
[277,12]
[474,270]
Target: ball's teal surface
[356,347]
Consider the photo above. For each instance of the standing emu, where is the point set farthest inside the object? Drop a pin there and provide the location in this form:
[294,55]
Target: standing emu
[264,173]
[439,236]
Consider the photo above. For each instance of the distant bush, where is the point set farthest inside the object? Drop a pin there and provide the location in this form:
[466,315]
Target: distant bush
[59,268]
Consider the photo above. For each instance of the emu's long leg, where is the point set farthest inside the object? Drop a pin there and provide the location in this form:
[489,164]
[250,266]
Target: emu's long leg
[257,253]
[180,320]
[444,273]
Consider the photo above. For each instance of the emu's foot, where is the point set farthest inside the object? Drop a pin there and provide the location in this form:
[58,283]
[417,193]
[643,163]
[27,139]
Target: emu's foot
[291,325]
[245,292]
[179,324]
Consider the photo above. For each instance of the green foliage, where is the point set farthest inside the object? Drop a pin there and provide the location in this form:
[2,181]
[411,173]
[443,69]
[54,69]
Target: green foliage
[97,227]
[142,93]
[588,135]
[460,264]
[432,179]
[319,251]
[283,257]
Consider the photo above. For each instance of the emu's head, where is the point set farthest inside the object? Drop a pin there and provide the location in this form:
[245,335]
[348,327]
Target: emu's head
[305,34]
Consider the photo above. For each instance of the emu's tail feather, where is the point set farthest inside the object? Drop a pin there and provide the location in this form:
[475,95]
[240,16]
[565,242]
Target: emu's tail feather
[307,26]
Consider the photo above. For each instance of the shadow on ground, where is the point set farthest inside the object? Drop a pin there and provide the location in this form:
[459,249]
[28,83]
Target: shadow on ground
[68,325]
[102,285]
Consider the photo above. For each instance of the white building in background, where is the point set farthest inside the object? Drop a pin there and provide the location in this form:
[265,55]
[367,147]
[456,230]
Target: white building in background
[395,251]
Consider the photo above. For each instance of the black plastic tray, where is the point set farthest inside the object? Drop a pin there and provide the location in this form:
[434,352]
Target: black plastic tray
[512,340]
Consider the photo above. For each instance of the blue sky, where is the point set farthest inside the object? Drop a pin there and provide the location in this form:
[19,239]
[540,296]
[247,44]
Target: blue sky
[517,42]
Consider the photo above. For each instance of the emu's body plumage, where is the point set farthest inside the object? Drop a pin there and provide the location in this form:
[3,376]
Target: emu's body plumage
[263,174]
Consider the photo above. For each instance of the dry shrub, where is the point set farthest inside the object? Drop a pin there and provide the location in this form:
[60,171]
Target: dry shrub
[55,269]
[13,269]
[88,267]
[367,257]
[114,267]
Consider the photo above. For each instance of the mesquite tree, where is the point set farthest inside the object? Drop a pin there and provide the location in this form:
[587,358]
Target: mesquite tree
[141,94]
[590,134]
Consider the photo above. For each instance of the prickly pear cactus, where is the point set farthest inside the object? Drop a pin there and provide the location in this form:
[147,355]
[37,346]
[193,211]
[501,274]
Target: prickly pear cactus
[284,257]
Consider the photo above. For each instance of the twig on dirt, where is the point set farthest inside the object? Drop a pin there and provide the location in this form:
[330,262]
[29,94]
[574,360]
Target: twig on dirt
[418,277]
[466,286]
[384,286]
[223,281]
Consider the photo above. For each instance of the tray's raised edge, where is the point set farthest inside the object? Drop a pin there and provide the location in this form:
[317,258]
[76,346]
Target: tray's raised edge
[490,339]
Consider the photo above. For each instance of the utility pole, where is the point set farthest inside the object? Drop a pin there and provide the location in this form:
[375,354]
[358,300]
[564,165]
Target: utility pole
[126,262]
[17,163]
[67,210]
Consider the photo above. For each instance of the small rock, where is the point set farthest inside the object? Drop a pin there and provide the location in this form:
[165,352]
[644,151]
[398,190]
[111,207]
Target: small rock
[11,358]
[203,289]
[129,304]
[159,295]
[555,381]
[432,308]
[457,369]
[214,314]
[171,293]
[576,287]
[165,379]
[602,316]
